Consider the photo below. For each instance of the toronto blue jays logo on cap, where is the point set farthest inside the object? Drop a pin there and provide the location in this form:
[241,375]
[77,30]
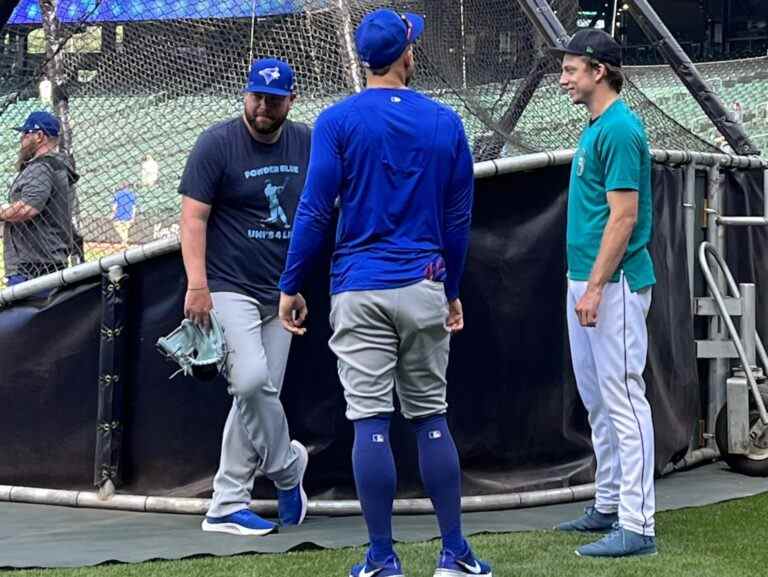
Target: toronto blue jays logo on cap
[270,76]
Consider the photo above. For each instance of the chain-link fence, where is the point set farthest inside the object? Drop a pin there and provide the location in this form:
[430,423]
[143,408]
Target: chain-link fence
[134,83]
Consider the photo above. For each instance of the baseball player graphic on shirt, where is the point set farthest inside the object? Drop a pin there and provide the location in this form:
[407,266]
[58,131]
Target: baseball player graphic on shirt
[277,216]
[225,189]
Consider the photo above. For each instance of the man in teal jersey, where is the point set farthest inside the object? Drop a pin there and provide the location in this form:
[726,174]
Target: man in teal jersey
[610,275]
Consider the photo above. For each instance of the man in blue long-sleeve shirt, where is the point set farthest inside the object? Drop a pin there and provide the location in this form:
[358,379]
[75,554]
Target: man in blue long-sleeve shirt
[400,166]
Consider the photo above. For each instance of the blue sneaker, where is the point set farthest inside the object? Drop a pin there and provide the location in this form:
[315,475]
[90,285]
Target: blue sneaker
[390,568]
[593,521]
[620,543]
[451,565]
[292,503]
[243,522]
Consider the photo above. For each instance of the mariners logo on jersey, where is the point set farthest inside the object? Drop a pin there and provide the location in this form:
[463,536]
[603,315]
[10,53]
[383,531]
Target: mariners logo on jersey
[580,162]
[270,74]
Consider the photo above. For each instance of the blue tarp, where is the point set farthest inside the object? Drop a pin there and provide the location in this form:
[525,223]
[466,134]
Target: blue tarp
[28,11]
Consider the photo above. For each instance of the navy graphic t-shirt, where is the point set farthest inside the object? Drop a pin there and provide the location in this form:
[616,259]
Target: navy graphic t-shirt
[253,189]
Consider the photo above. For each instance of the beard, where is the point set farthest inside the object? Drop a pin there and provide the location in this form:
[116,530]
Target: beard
[263,127]
[26,153]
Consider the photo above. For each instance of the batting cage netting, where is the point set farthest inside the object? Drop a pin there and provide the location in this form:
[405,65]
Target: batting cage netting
[134,82]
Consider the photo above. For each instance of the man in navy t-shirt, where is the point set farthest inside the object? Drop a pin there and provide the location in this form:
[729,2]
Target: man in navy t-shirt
[240,189]
[400,165]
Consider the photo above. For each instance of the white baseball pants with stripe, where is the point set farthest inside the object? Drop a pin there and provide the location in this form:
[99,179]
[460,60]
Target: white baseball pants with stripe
[608,362]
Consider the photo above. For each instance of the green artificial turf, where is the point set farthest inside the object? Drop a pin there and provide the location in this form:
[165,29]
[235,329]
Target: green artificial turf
[725,540]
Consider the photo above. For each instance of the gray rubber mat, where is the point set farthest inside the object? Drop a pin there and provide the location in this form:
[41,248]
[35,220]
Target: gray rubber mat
[44,536]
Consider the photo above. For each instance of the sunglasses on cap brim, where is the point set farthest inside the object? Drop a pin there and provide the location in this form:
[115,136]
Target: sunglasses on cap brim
[408,26]
[25,132]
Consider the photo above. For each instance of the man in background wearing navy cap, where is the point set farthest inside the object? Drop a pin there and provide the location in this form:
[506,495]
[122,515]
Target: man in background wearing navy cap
[402,170]
[37,222]
[240,189]
[610,276]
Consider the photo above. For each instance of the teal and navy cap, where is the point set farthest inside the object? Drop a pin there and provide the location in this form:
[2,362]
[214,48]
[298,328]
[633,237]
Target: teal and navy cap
[594,44]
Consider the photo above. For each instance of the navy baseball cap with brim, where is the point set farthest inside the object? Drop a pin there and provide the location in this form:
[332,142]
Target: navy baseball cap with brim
[383,36]
[592,43]
[270,76]
[40,121]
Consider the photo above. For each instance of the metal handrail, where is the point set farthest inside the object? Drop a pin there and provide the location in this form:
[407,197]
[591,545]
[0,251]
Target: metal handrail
[707,248]
[750,220]
[87,270]
[325,507]
[321,507]
[485,169]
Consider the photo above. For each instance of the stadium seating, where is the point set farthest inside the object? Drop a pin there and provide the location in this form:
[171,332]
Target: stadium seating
[745,82]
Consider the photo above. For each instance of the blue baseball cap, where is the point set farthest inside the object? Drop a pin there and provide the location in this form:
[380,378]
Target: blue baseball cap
[383,35]
[40,120]
[270,76]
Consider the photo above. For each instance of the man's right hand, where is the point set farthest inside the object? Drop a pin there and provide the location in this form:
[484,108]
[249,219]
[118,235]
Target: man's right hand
[455,321]
[197,305]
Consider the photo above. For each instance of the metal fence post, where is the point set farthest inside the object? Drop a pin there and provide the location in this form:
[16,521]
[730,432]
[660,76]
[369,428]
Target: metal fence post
[718,368]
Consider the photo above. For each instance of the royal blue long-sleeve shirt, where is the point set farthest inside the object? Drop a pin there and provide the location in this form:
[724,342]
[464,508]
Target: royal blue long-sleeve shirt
[400,165]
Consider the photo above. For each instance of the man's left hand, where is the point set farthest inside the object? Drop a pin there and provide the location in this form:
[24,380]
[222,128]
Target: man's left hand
[292,313]
[586,308]
[19,211]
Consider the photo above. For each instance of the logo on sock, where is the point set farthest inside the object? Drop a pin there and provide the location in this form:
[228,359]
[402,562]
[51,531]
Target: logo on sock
[377,438]
[435,434]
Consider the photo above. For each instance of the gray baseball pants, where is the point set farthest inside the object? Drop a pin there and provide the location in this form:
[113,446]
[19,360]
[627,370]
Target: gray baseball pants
[256,433]
[392,339]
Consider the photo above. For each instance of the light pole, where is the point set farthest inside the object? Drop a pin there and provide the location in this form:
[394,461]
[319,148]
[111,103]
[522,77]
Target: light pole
[613,18]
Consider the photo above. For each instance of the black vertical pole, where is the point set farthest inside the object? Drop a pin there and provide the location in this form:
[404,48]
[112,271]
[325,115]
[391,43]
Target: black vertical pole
[653,27]
[56,72]
[57,75]
[112,355]
[545,20]
[554,33]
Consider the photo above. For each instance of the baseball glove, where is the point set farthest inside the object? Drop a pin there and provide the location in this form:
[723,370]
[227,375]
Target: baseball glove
[200,354]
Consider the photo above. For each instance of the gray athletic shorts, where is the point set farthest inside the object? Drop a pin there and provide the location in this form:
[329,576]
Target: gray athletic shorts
[393,338]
